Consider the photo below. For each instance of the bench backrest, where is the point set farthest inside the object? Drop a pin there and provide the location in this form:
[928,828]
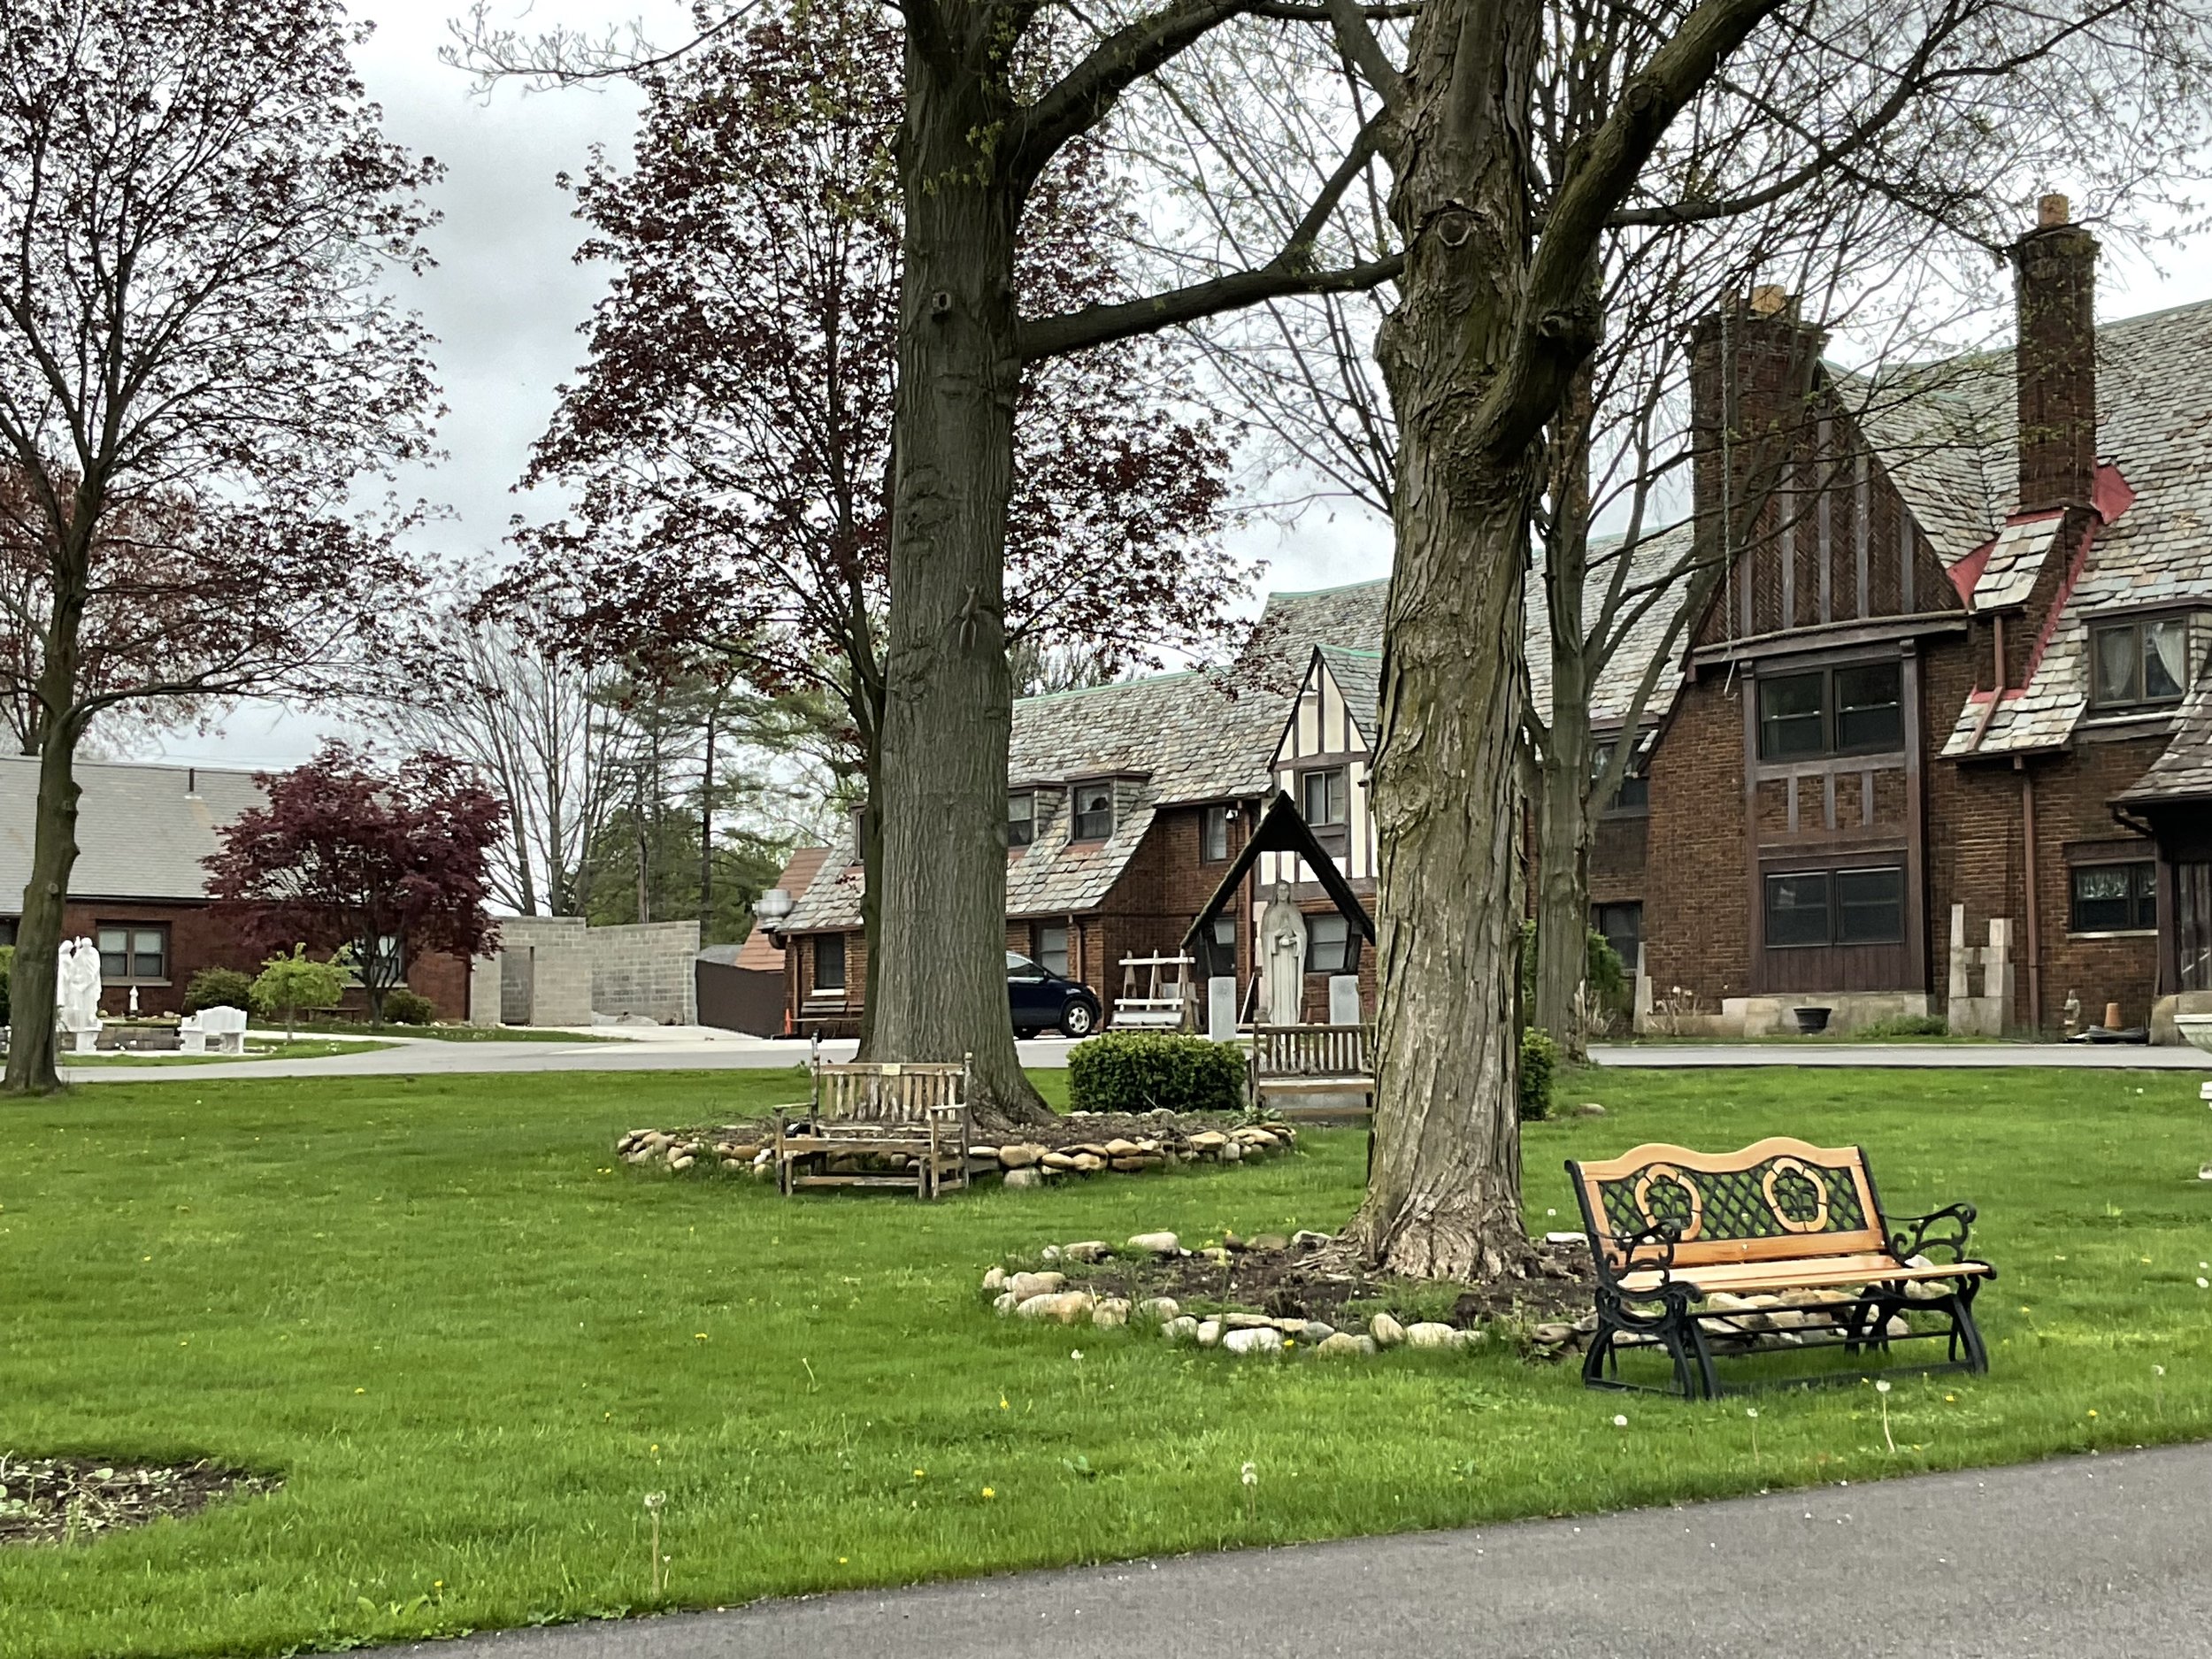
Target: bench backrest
[866,1092]
[1779,1200]
[221,1018]
[1311,1050]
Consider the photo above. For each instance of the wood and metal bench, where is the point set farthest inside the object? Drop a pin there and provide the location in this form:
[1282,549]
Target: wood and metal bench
[1312,1071]
[1780,1245]
[913,1115]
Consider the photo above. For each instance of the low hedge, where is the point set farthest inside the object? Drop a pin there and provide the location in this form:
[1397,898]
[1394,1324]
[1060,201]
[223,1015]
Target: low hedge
[1540,1060]
[1144,1071]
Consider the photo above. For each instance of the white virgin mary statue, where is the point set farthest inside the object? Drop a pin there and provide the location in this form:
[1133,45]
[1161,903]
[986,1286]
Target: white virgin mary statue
[1283,958]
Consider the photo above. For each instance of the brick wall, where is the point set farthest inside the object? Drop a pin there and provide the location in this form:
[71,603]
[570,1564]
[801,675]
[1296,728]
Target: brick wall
[1697,921]
[200,938]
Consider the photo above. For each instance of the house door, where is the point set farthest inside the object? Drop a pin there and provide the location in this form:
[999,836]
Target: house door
[2193,925]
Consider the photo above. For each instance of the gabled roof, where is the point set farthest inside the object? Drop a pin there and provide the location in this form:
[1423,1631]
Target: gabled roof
[142,830]
[1283,829]
[2155,427]
[1358,675]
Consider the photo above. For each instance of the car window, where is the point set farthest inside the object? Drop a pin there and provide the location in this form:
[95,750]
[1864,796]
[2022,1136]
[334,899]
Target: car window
[1020,967]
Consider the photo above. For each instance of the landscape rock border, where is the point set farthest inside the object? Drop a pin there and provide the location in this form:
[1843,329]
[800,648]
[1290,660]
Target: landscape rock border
[1089,1144]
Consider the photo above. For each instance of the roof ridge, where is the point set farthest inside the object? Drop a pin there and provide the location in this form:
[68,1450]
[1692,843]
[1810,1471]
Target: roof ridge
[1315,592]
[1111,685]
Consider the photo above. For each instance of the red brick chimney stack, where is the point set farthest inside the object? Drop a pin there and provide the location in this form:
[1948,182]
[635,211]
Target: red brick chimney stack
[2055,268]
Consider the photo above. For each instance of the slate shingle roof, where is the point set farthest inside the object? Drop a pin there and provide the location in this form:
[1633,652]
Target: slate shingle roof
[1656,556]
[1358,675]
[2154,424]
[2183,772]
[141,830]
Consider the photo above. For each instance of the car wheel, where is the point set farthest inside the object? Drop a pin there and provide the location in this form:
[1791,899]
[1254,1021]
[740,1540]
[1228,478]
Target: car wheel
[1077,1019]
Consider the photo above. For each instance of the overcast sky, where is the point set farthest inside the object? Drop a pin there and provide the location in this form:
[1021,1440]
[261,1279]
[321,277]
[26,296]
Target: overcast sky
[506,297]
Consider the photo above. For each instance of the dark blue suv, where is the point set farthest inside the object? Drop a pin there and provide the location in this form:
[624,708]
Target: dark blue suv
[1041,1000]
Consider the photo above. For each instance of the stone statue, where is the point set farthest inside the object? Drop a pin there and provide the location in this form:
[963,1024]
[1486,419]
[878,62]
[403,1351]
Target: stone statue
[77,990]
[1283,955]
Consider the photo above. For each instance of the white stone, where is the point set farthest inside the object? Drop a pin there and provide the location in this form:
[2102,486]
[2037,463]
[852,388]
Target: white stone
[1066,1306]
[1429,1334]
[1208,1332]
[1159,1243]
[1259,1339]
[1087,1250]
[1180,1329]
[1021,1181]
[1387,1331]
[1159,1308]
[1006,1304]
[1027,1285]
[1231,1153]
[1344,1343]
[995,1279]
[1110,1312]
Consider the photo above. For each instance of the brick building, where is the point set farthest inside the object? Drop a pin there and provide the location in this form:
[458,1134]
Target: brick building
[139,887]
[1956,663]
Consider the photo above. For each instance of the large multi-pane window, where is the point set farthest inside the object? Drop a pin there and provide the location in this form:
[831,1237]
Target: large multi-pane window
[1623,926]
[1021,819]
[1325,797]
[1051,941]
[134,955]
[2140,662]
[1854,711]
[1836,907]
[1093,819]
[2115,898]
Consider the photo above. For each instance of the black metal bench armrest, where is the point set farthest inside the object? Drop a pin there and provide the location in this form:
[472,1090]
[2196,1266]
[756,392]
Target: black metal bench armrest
[1914,1236]
[1661,1235]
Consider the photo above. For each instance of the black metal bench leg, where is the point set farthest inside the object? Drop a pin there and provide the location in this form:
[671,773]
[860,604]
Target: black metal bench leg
[1963,1328]
[1707,1377]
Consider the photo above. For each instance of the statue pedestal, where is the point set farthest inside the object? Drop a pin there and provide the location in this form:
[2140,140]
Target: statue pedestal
[87,1042]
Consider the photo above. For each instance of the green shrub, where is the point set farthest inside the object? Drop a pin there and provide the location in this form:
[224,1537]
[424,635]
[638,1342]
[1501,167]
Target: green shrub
[1540,1059]
[1143,1070]
[1602,969]
[1901,1026]
[403,1007]
[290,986]
[7,982]
[218,987]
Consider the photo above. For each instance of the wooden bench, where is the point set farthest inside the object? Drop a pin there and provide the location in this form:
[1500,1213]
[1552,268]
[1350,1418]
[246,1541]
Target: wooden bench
[914,1113]
[1782,1244]
[1313,1061]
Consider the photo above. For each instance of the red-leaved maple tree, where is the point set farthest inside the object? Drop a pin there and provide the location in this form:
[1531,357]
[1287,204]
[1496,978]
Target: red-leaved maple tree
[386,864]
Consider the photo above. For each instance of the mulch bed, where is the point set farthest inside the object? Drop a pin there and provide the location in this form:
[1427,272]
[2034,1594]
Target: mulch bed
[1310,1279]
[53,1499]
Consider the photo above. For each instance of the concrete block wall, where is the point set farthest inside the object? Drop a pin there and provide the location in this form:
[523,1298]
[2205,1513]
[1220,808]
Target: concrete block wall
[645,968]
[550,955]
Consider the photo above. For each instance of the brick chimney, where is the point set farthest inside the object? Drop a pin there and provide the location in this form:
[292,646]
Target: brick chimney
[1751,374]
[2054,268]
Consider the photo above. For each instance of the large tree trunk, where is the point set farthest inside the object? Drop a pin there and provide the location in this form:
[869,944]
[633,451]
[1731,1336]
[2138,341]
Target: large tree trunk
[940,978]
[53,856]
[1563,867]
[1443,1195]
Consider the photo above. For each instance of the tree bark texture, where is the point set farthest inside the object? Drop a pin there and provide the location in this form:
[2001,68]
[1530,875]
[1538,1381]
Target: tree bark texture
[1443,1195]
[940,979]
[1564,826]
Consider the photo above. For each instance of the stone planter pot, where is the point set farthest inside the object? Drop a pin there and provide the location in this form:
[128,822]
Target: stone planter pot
[1812,1021]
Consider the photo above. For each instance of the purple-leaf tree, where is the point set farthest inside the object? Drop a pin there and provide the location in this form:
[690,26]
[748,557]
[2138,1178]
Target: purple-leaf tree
[384,864]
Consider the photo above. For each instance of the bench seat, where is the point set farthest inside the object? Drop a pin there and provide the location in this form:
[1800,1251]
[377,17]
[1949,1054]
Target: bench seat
[1679,1239]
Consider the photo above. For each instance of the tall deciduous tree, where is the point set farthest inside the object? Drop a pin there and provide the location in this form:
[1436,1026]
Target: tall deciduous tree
[345,855]
[731,439]
[1499,318]
[198,363]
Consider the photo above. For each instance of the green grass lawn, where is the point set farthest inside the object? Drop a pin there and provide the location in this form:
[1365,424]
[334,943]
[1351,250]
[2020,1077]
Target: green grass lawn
[303,1049]
[470,1343]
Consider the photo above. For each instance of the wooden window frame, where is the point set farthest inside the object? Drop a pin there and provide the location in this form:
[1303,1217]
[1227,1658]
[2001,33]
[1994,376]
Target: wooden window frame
[816,985]
[131,952]
[1348,954]
[1076,814]
[1028,822]
[1830,712]
[1209,818]
[1832,879]
[2142,892]
[2136,624]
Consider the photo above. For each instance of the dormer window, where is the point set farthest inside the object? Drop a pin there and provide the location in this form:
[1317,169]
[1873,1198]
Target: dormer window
[1021,819]
[1093,816]
[2139,663]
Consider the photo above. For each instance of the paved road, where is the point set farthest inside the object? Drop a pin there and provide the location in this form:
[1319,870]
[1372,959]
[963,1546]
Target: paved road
[697,1049]
[2104,1556]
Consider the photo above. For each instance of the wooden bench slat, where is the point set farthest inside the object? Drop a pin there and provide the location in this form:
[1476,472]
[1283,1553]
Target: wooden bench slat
[1819,1275]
